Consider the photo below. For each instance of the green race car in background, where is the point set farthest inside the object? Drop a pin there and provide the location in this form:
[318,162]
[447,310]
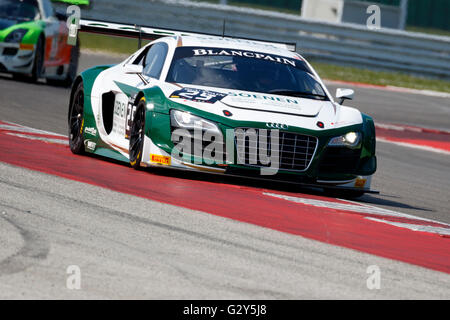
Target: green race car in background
[33,42]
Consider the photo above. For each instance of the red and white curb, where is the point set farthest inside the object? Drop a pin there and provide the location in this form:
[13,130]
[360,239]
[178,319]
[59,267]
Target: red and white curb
[405,128]
[426,139]
[13,129]
[414,146]
[373,213]
[348,224]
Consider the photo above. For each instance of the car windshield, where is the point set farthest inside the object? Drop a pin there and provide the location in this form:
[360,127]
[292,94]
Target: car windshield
[25,10]
[244,70]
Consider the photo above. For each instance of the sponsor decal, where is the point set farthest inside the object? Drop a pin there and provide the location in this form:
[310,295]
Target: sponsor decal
[360,183]
[276,125]
[198,95]
[120,107]
[164,160]
[91,131]
[131,112]
[90,145]
[246,54]
[263,99]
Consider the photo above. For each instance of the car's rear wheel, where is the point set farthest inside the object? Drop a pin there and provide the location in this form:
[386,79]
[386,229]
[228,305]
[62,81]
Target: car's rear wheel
[137,135]
[76,120]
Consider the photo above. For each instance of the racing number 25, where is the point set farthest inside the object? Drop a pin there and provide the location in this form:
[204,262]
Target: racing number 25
[131,111]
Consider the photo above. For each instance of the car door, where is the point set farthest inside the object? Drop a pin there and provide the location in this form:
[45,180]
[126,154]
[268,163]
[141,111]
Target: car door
[152,59]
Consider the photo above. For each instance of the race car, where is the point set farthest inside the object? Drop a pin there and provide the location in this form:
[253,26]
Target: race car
[33,42]
[223,105]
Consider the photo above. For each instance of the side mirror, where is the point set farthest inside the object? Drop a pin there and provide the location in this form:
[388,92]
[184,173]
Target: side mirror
[133,68]
[344,94]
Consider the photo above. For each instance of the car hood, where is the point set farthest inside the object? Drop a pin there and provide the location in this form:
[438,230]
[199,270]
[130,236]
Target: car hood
[254,101]
[274,103]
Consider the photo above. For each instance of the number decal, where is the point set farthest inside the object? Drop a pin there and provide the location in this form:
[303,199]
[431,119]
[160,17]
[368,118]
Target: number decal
[198,95]
[131,111]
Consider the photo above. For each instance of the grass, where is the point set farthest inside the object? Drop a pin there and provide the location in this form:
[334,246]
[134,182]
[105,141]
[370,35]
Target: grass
[122,45]
[334,72]
[430,31]
[253,6]
[105,43]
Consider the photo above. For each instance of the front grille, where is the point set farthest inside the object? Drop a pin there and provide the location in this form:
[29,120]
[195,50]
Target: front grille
[10,51]
[197,147]
[340,160]
[295,150]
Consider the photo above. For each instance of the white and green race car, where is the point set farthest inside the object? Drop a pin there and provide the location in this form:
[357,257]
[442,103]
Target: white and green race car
[223,105]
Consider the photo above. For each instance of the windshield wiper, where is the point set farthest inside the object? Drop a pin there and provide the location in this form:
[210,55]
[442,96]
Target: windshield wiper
[294,93]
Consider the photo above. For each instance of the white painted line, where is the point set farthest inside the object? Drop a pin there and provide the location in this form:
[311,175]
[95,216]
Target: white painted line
[442,229]
[415,227]
[18,128]
[58,141]
[414,146]
[353,206]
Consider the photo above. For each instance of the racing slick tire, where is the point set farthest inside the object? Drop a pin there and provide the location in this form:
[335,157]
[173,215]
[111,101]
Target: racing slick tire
[76,121]
[38,64]
[137,134]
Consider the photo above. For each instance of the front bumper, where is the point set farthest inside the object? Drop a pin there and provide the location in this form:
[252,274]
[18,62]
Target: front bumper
[154,156]
[16,58]
[348,170]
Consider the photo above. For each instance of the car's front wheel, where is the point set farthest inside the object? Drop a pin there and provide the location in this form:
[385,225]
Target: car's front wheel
[38,64]
[76,120]
[137,135]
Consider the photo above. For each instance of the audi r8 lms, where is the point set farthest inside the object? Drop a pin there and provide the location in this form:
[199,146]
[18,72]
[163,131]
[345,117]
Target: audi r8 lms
[33,42]
[223,105]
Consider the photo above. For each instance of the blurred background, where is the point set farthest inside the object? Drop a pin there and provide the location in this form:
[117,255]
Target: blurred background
[412,48]
[430,16]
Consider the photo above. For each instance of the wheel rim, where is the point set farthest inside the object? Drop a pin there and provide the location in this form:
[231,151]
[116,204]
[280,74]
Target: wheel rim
[137,135]
[76,116]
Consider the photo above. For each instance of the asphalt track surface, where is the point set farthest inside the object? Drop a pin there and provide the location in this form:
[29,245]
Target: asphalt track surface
[132,247]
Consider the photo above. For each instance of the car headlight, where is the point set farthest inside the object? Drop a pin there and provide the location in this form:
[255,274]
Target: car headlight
[186,120]
[350,139]
[16,36]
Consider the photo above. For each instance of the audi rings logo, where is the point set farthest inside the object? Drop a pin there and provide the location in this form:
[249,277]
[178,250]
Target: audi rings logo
[276,125]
